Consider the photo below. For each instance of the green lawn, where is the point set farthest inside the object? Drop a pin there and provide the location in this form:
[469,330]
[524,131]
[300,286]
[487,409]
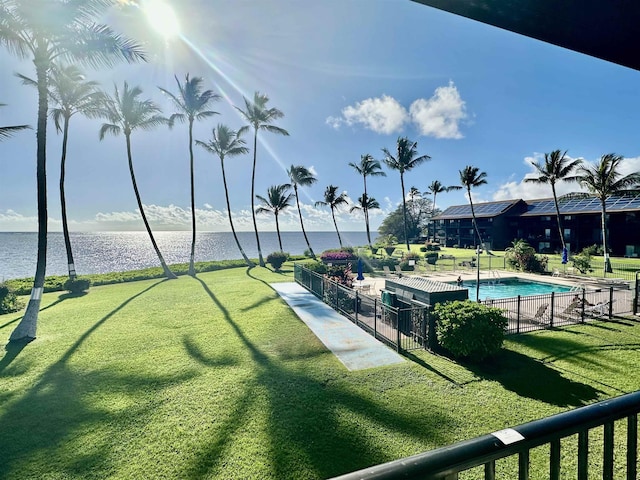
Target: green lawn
[215,377]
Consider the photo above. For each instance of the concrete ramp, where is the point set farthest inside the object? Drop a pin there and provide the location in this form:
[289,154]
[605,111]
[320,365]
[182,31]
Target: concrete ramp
[356,349]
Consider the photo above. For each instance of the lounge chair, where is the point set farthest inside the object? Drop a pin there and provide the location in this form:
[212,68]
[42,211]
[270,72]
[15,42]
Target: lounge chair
[556,273]
[598,310]
[386,270]
[573,310]
[540,316]
[398,270]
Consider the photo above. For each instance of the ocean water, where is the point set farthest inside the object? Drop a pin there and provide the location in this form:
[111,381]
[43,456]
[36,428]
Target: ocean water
[102,252]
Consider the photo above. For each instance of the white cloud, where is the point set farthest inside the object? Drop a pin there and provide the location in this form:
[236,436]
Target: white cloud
[440,116]
[208,206]
[382,115]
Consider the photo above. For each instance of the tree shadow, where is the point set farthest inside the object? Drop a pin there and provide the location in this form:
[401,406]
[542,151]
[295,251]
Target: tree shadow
[296,403]
[534,379]
[60,403]
[13,349]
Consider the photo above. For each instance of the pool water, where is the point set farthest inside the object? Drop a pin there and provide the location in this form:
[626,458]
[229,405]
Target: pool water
[512,287]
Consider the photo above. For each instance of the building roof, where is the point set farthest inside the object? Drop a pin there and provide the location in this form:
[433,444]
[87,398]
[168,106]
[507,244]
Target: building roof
[605,29]
[424,284]
[482,210]
[569,205]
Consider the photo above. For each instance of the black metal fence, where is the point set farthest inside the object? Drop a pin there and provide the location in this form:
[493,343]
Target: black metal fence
[538,312]
[484,454]
[402,326]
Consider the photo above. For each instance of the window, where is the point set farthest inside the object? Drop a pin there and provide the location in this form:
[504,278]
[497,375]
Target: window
[567,233]
[567,217]
[547,233]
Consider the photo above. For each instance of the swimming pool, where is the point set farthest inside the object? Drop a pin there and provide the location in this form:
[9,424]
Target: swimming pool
[512,287]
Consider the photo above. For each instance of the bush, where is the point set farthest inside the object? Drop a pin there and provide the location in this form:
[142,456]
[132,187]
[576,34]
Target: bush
[470,330]
[592,250]
[522,256]
[77,285]
[317,267]
[431,247]
[582,262]
[431,258]
[276,259]
[338,256]
[9,302]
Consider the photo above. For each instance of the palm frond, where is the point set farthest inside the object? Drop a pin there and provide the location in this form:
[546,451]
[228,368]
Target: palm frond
[109,128]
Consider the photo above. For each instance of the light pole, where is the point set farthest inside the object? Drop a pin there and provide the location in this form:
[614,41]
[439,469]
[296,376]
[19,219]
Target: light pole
[478,274]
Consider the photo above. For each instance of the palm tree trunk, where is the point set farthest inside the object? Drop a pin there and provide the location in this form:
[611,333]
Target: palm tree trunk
[168,273]
[192,269]
[26,329]
[233,230]
[366,211]
[404,213]
[313,255]
[475,222]
[555,201]
[607,262]
[278,230]
[63,202]
[336,225]
[253,194]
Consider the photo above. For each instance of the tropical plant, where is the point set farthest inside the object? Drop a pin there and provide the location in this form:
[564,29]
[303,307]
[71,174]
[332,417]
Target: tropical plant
[46,31]
[404,160]
[363,203]
[436,187]
[70,93]
[278,199]
[226,142]
[126,112]
[333,201]
[9,301]
[276,259]
[301,176]
[603,180]
[192,104]
[556,168]
[470,330]
[6,132]
[368,167]
[471,177]
[259,117]
[522,256]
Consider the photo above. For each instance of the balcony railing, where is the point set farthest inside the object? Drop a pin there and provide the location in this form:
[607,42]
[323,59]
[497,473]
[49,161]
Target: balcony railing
[447,462]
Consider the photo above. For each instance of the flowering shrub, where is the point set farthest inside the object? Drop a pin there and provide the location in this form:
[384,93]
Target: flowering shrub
[331,256]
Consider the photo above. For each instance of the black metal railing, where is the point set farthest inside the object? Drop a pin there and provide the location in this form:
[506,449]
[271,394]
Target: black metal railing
[403,326]
[618,414]
[539,312]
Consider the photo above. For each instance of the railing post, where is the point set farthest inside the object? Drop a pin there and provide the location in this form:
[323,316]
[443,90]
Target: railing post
[610,302]
[632,446]
[398,330]
[523,465]
[583,455]
[357,299]
[553,296]
[518,316]
[607,461]
[375,317]
[554,460]
[582,303]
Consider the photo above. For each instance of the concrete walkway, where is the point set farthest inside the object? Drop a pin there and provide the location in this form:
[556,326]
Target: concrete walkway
[355,348]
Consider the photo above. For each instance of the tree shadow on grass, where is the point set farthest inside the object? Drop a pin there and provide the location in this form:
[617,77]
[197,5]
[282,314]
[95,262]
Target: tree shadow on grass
[306,421]
[534,379]
[51,414]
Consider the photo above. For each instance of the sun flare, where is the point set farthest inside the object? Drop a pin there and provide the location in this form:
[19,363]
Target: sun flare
[162,18]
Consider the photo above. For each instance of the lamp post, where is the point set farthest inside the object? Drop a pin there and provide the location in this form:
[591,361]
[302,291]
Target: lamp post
[478,274]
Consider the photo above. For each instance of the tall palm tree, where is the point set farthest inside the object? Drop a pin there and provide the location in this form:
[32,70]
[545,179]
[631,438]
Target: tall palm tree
[437,187]
[603,180]
[278,199]
[470,177]
[191,103]
[259,117]
[404,160]
[6,132]
[46,31]
[556,168]
[126,113]
[333,201]
[368,167]
[301,176]
[226,142]
[363,203]
[70,94]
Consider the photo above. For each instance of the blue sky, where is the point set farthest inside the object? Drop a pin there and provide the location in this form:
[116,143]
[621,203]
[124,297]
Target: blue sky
[350,76]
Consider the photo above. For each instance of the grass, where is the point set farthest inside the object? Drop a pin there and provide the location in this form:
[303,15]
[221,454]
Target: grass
[214,377]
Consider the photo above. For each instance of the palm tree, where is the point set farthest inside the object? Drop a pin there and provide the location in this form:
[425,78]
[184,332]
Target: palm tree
[556,168]
[71,94]
[471,178]
[436,187]
[333,201]
[46,31]
[191,103]
[226,142]
[404,160]
[364,203]
[259,117]
[127,113]
[603,180]
[303,177]
[6,132]
[278,199]
[368,167]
